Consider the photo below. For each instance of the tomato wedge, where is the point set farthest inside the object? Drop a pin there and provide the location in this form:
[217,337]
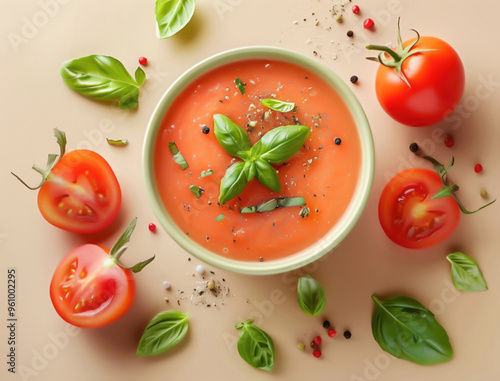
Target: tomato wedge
[91,288]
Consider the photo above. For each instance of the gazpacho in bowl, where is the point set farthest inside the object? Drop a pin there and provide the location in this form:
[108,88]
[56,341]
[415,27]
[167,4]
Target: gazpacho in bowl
[251,204]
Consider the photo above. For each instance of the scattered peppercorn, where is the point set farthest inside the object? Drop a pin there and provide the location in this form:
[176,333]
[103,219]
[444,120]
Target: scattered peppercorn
[368,23]
[166,285]
[478,168]
[332,333]
[211,285]
[414,147]
[326,324]
[200,269]
[301,346]
[338,141]
[449,141]
[317,353]
[350,33]
[347,335]
[152,227]
[354,79]
[355,9]
[143,61]
[317,340]
[484,194]
[205,130]
[313,345]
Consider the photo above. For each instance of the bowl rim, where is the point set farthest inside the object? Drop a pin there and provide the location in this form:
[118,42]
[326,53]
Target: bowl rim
[335,235]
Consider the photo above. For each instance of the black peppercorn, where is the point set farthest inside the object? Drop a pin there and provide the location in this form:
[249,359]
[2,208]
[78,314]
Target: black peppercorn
[414,147]
[347,334]
[205,130]
[338,141]
[354,79]
[326,324]
[350,33]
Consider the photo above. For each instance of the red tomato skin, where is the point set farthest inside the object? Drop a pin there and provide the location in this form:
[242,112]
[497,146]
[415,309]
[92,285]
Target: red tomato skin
[391,211]
[437,80]
[95,276]
[69,177]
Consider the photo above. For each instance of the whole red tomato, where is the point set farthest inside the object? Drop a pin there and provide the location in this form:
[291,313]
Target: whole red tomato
[78,193]
[91,288]
[420,82]
[408,214]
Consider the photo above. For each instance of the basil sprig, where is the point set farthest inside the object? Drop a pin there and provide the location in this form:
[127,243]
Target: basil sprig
[172,16]
[255,346]
[277,105]
[276,146]
[166,330]
[104,78]
[408,330]
[311,295]
[465,273]
[274,203]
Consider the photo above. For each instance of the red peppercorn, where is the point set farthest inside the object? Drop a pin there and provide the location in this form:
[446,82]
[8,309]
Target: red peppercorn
[368,24]
[317,353]
[449,141]
[143,61]
[317,341]
[355,9]
[152,227]
[478,168]
[332,333]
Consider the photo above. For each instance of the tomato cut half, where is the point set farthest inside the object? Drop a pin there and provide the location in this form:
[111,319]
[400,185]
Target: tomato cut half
[408,214]
[81,194]
[89,289]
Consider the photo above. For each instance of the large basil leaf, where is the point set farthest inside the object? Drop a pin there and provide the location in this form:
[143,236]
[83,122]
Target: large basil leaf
[255,346]
[465,273]
[172,16]
[277,105]
[233,182]
[311,294]
[267,175]
[165,331]
[283,142]
[231,137]
[408,330]
[104,78]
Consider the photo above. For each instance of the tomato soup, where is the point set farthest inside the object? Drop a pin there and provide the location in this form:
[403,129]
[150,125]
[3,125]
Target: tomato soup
[324,172]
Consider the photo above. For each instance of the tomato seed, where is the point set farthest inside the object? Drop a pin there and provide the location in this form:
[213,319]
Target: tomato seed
[347,335]
[355,9]
[478,168]
[449,141]
[368,23]
[317,340]
[152,227]
[332,333]
[143,61]
[317,353]
[326,324]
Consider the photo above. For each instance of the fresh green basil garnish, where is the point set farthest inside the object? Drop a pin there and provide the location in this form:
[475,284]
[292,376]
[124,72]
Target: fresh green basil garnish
[465,273]
[270,205]
[206,173]
[197,191]
[178,158]
[172,16]
[276,146]
[277,105]
[166,330]
[117,142]
[255,346]
[311,295]
[104,78]
[240,85]
[220,217]
[408,330]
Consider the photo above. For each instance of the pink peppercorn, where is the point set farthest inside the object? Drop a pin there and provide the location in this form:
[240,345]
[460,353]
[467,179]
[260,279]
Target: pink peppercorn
[332,333]
[317,341]
[152,227]
[478,168]
[143,61]
[368,24]
[449,141]
[317,353]
[355,9]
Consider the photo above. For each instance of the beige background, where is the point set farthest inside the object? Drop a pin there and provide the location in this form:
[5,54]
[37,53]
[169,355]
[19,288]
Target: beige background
[34,100]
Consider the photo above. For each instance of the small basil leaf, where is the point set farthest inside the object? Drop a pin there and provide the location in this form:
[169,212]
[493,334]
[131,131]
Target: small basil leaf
[267,175]
[178,158]
[277,105]
[220,217]
[240,85]
[140,76]
[465,273]
[250,170]
[206,173]
[117,142]
[256,150]
[274,203]
[283,142]
[233,182]
[172,16]
[166,330]
[104,78]
[291,201]
[230,136]
[408,330]
[244,155]
[255,346]
[311,295]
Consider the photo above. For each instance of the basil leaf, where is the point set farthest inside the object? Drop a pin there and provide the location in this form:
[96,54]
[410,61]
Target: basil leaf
[250,170]
[166,330]
[291,201]
[255,346]
[283,142]
[233,182]
[311,295]
[172,16]
[230,136]
[206,173]
[220,217]
[240,85]
[197,191]
[272,204]
[117,142]
[277,105]
[408,330]
[104,78]
[465,273]
[178,158]
[267,175]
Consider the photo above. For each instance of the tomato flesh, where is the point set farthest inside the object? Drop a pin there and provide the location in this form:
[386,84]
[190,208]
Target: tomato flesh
[89,289]
[81,194]
[408,214]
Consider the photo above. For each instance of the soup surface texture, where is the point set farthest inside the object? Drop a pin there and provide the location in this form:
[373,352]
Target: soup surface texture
[323,172]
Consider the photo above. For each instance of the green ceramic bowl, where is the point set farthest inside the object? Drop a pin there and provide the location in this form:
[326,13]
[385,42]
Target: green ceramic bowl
[338,231]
